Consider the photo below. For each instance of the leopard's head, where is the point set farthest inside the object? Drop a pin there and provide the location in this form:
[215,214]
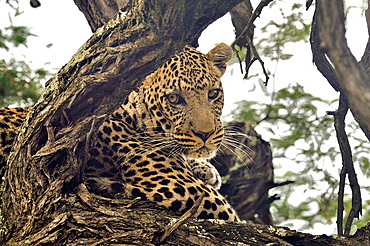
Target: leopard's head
[184,99]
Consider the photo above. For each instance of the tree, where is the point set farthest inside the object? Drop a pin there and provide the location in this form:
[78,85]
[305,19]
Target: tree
[51,205]
[300,131]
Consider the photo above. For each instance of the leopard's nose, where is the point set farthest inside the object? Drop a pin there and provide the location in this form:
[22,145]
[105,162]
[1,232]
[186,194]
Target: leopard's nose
[203,135]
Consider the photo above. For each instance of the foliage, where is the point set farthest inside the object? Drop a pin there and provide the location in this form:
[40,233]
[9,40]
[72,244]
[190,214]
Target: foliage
[273,36]
[19,84]
[303,137]
[301,133]
[290,27]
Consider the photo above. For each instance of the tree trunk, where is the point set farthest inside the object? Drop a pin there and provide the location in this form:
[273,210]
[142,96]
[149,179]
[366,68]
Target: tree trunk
[39,190]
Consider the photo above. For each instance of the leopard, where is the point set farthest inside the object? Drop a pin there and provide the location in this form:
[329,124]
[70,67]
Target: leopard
[10,121]
[158,144]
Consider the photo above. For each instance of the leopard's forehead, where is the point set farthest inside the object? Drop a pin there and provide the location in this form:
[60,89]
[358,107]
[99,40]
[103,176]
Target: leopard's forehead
[189,70]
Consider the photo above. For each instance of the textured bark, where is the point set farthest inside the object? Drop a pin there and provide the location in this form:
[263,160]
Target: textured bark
[336,62]
[46,166]
[44,200]
[99,12]
[365,59]
[240,16]
[93,220]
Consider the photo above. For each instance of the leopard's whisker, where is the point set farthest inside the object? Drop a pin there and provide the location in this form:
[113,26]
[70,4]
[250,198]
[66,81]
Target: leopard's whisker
[231,142]
[228,146]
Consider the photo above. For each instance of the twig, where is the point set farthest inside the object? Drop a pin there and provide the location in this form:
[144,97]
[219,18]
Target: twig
[348,168]
[278,184]
[308,4]
[256,57]
[256,13]
[342,179]
[93,202]
[172,227]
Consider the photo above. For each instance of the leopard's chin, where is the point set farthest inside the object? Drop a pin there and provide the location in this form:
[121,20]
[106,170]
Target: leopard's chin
[201,153]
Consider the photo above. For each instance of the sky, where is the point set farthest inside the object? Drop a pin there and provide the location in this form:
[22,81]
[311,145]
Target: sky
[67,32]
[60,23]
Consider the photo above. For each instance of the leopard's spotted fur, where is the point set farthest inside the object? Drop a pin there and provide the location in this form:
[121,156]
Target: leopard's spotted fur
[156,144]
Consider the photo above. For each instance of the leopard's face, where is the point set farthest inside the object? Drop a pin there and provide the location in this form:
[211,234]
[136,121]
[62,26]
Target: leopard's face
[187,99]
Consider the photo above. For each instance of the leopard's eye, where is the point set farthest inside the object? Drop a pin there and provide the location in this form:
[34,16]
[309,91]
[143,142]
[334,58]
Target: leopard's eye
[213,94]
[175,98]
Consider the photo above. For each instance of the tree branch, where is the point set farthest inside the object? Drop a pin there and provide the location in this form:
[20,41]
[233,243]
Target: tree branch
[247,36]
[347,168]
[350,77]
[319,57]
[365,60]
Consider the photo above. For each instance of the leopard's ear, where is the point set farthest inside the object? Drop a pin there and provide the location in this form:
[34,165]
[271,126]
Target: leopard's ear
[220,55]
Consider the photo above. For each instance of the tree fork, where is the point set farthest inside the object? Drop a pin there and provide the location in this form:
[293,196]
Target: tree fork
[46,164]
[345,73]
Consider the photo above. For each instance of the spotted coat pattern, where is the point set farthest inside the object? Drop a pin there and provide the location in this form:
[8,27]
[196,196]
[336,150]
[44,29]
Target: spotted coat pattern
[10,120]
[157,144]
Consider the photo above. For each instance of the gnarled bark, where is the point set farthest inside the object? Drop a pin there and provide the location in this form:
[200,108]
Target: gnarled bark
[44,200]
[46,166]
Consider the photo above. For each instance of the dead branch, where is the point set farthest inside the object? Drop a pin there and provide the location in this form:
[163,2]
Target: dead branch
[247,35]
[347,168]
